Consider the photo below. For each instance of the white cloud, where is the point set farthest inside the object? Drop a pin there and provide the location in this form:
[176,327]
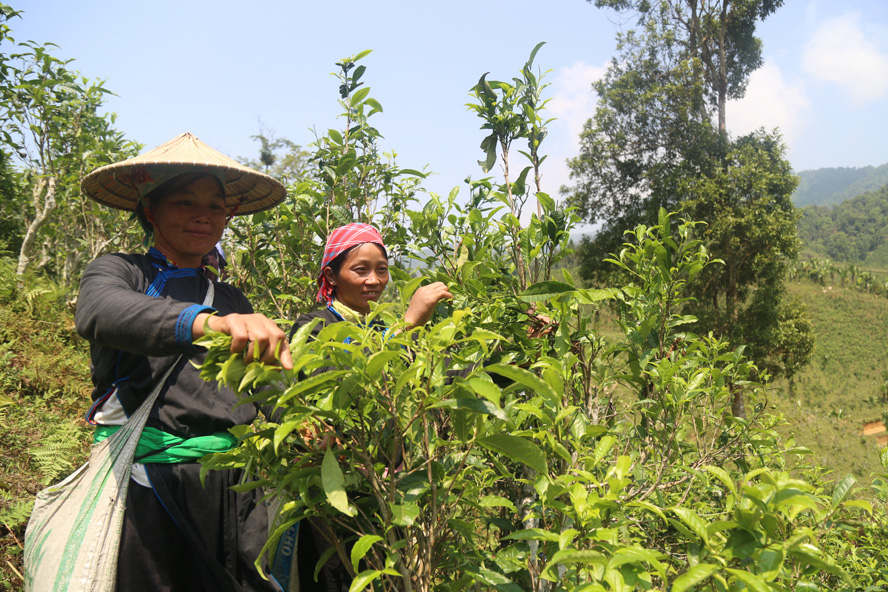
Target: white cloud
[573,100]
[572,104]
[842,52]
[770,101]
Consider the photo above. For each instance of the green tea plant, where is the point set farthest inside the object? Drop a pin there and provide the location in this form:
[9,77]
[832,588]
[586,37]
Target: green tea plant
[401,488]
[506,445]
[425,487]
[512,112]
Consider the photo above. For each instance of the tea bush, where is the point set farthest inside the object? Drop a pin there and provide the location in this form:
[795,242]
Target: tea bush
[507,445]
[470,481]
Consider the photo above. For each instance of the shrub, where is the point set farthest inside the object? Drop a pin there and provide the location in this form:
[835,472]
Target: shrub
[527,484]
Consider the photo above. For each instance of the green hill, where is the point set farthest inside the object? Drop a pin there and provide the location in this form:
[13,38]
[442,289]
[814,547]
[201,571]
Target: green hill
[841,388]
[831,186]
[854,231]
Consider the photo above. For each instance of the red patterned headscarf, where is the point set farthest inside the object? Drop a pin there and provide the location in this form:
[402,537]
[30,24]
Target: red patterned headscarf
[339,241]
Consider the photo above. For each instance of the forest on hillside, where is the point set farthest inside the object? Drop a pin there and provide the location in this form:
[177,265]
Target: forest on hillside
[854,231]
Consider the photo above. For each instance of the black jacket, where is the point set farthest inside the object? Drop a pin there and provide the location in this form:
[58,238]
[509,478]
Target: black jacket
[134,337]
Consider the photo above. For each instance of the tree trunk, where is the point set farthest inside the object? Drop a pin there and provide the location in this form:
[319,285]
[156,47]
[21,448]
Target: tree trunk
[528,497]
[738,406]
[722,71]
[42,209]
[697,52]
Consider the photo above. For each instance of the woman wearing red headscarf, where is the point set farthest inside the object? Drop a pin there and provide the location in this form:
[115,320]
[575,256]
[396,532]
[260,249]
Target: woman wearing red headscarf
[354,272]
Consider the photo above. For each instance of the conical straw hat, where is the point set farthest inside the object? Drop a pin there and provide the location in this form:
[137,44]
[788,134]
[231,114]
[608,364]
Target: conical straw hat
[120,185]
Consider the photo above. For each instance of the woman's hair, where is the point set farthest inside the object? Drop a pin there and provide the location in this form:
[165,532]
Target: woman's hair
[336,264]
[162,191]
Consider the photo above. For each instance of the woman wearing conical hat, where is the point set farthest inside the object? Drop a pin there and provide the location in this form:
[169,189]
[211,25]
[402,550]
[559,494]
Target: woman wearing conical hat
[139,312]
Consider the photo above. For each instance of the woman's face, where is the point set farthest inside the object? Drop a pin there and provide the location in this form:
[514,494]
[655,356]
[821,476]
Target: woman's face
[189,222]
[362,277]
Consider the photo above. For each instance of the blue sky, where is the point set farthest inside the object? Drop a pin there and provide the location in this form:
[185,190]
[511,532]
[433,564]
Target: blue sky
[218,68]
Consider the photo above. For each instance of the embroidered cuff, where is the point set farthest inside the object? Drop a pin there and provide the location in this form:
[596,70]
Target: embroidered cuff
[184,323]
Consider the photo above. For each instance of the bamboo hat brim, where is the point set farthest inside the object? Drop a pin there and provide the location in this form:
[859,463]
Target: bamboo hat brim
[121,184]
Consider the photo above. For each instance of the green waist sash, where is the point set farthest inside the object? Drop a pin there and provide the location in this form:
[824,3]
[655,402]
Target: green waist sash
[156,446]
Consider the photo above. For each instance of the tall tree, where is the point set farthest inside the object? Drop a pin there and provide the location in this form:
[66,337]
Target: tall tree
[11,226]
[52,124]
[659,139]
[751,226]
[7,13]
[714,38]
[661,116]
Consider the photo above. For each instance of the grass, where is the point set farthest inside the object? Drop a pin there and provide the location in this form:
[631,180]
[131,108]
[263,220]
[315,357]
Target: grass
[838,391]
[44,389]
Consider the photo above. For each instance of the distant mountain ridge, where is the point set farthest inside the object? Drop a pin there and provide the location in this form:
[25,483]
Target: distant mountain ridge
[832,186]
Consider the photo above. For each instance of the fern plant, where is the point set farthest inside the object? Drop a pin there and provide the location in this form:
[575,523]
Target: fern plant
[52,456]
[14,514]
